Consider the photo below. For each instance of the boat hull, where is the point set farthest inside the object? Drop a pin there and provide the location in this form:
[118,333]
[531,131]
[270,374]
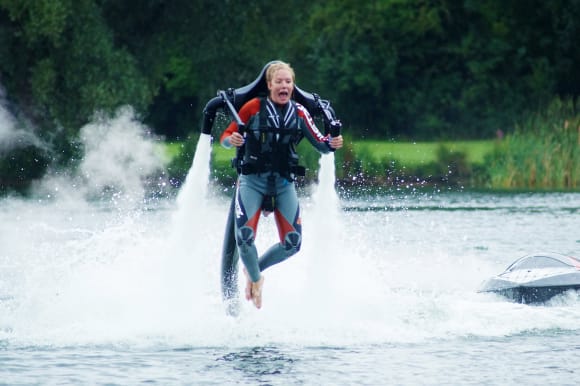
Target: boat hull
[536,278]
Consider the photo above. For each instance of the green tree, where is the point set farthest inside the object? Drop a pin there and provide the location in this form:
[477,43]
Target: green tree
[418,69]
[63,64]
[444,68]
[190,49]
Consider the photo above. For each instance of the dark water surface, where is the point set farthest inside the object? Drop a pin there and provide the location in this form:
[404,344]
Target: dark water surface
[92,294]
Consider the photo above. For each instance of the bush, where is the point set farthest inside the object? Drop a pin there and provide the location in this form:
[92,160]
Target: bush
[20,166]
[542,153]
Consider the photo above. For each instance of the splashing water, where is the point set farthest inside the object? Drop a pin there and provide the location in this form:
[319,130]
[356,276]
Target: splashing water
[192,200]
[13,133]
[76,271]
[117,288]
[192,257]
[130,155]
[120,164]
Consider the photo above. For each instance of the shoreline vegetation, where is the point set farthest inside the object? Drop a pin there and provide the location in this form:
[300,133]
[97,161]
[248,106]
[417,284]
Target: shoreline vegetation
[540,154]
[433,72]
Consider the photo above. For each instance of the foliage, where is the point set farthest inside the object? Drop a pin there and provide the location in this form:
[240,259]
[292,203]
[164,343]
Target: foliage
[20,166]
[181,155]
[543,152]
[416,68]
[375,162]
[393,69]
[63,64]
[428,69]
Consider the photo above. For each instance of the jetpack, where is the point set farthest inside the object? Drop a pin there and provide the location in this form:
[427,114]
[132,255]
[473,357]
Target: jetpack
[231,101]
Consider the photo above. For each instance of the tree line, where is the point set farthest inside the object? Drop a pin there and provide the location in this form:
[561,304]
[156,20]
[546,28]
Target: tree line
[396,69]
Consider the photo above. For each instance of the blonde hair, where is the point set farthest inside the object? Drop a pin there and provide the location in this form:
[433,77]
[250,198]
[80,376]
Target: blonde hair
[278,65]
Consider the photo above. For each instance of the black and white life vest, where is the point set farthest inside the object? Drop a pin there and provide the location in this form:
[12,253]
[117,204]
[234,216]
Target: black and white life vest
[271,139]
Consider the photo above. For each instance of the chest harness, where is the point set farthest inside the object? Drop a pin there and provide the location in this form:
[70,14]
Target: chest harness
[270,146]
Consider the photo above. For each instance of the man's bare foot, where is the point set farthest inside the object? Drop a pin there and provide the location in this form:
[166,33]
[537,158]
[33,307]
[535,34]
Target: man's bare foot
[257,292]
[248,285]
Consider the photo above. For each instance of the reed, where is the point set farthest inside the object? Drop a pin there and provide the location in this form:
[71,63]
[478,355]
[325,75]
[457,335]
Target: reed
[543,152]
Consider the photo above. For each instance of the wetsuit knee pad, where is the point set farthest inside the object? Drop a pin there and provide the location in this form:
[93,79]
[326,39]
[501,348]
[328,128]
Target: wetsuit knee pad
[292,242]
[245,237]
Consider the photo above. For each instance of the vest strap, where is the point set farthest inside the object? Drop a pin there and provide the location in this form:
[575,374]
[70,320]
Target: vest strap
[270,149]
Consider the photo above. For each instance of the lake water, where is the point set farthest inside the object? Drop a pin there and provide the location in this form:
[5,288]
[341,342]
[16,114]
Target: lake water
[124,289]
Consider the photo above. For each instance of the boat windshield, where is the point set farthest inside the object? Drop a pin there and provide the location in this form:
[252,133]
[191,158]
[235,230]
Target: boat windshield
[544,261]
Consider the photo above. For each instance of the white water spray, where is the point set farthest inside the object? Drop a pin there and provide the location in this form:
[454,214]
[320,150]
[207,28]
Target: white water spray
[193,252]
[119,154]
[14,134]
[72,275]
[340,281]
[192,201]
[120,163]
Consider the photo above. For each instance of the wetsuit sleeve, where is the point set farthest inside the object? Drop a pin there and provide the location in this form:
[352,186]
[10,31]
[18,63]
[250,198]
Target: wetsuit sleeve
[251,108]
[311,132]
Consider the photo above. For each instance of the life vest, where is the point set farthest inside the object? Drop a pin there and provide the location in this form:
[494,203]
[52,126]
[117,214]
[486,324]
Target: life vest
[271,139]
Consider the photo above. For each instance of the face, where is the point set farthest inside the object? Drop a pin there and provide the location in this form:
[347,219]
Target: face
[281,87]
